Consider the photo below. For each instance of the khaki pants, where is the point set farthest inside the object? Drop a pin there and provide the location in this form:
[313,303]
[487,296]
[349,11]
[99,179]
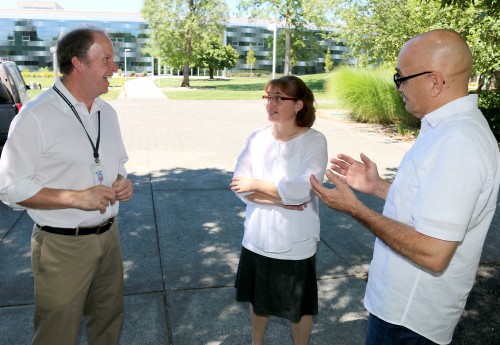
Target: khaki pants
[75,276]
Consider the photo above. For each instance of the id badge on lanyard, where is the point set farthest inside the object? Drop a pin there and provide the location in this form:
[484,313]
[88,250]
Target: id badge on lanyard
[99,173]
[97,168]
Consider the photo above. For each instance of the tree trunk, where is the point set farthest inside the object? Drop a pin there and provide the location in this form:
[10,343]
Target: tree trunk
[185,71]
[288,67]
[496,83]
[480,83]
[185,75]
[211,72]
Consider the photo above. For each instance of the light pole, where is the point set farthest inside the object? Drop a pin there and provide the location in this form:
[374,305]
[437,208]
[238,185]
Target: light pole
[126,50]
[224,43]
[53,50]
[159,71]
[273,27]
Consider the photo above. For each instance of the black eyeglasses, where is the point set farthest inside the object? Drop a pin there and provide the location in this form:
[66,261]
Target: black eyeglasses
[278,99]
[399,79]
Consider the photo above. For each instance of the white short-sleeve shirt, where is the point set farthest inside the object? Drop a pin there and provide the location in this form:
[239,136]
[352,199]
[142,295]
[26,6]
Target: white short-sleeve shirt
[446,187]
[47,147]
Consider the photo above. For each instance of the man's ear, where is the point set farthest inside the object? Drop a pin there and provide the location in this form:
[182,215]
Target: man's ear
[77,63]
[437,84]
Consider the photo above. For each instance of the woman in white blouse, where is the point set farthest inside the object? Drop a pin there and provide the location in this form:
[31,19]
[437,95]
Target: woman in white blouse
[277,269]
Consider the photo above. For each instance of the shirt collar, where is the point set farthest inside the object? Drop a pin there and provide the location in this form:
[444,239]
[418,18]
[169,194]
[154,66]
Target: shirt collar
[96,105]
[462,104]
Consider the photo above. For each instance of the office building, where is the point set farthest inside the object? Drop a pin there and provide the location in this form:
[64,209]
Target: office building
[28,33]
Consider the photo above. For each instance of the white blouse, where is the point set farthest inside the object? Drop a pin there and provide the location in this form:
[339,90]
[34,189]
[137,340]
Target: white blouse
[273,231]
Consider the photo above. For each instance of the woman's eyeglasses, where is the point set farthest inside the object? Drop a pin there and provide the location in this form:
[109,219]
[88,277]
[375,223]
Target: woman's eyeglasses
[277,99]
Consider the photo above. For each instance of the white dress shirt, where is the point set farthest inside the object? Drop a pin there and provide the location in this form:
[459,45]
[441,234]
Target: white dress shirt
[47,147]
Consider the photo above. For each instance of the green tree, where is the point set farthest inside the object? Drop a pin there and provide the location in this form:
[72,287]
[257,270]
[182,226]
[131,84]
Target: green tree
[251,59]
[492,7]
[292,15]
[304,46]
[328,61]
[482,32]
[178,26]
[214,55]
[376,38]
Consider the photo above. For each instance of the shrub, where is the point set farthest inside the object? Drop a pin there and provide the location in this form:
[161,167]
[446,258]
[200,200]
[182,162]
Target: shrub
[489,103]
[44,72]
[246,74]
[370,95]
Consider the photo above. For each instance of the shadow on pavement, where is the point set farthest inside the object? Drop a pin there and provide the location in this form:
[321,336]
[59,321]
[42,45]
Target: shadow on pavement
[181,239]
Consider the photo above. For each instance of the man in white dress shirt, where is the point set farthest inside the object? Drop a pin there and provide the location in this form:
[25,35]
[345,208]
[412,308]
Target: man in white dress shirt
[438,209]
[64,162]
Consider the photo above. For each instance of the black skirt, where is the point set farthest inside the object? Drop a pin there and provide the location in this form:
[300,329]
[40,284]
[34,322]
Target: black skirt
[283,288]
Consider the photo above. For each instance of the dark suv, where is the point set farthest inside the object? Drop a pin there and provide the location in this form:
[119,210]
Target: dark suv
[13,94]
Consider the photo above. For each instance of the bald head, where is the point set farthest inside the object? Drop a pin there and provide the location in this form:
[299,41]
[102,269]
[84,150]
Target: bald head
[443,51]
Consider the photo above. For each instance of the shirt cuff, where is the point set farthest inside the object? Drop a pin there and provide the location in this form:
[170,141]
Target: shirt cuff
[123,172]
[18,192]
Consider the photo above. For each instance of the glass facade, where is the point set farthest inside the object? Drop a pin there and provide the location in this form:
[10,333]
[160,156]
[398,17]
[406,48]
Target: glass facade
[27,36]
[241,35]
[28,41]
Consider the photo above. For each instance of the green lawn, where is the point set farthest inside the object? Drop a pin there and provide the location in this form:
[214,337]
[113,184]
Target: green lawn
[201,88]
[231,89]
[114,90]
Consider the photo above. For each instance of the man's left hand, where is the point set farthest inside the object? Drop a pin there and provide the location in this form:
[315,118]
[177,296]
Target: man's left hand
[123,189]
[341,197]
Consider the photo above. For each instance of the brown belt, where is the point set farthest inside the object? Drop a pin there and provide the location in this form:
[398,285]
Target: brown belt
[97,230]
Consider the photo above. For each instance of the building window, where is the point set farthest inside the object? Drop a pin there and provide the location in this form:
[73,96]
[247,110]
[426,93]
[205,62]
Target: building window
[26,38]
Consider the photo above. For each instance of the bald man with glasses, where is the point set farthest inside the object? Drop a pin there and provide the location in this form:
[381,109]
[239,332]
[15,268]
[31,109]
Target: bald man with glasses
[440,206]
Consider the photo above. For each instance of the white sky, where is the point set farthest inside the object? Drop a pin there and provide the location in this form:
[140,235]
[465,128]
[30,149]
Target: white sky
[124,6]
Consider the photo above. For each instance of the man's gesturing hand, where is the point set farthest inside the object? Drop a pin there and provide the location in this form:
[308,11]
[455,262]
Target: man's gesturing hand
[341,197]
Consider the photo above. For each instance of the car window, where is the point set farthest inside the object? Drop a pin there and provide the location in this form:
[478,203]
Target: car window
[5,96]
[17,82]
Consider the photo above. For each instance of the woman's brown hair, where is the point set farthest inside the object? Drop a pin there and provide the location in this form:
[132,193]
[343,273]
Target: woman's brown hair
[296,88]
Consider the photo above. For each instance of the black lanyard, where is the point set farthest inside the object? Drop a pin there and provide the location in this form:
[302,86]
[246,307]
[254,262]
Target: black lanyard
[95,147]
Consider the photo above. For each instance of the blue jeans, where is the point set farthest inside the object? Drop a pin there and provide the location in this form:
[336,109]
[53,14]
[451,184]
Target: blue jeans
[383,333]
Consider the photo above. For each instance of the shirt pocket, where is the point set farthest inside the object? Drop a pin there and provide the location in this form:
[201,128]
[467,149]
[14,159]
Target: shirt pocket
[402,194]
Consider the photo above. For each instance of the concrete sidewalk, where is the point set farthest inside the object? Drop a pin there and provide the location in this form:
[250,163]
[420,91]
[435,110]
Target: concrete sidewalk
[181,234]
